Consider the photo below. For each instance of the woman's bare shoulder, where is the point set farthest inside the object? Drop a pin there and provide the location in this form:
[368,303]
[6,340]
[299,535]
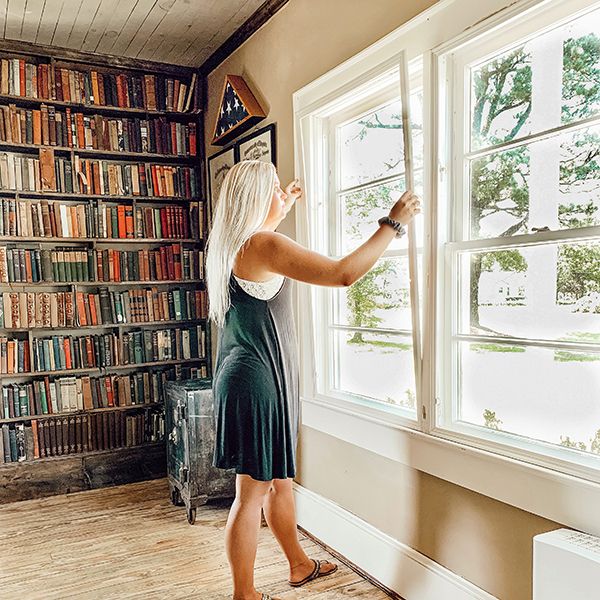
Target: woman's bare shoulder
[252,259]
[269,239]
[279,254]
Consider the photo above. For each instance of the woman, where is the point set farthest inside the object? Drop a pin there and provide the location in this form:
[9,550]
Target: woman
[249,273]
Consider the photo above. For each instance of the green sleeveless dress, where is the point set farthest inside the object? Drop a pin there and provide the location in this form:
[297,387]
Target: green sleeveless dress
[256,386]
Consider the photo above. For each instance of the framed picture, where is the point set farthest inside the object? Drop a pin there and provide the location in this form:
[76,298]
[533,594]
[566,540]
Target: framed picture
[218,166]
[259,145]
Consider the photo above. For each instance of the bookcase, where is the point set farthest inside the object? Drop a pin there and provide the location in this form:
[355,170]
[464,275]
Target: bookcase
[102,294]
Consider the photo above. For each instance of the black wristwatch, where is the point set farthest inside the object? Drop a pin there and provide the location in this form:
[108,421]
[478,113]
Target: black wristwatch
[399,228]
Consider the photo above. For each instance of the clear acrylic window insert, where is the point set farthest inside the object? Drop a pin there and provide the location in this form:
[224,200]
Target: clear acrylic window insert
[369,323]
[526,339]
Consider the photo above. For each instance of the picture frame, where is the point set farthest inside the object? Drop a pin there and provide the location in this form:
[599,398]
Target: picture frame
[258,145]
[218,165]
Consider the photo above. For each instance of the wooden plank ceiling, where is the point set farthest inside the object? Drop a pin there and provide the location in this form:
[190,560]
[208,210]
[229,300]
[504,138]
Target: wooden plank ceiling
[181,32]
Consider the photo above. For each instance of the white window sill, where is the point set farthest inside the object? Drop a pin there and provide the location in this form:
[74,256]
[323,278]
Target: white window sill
[550,494]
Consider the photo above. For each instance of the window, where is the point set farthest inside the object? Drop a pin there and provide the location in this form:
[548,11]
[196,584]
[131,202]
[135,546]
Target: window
[369,343]
[521,350]
[510,242]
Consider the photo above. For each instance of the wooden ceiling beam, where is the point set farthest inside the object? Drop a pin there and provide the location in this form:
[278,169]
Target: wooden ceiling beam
[234,41]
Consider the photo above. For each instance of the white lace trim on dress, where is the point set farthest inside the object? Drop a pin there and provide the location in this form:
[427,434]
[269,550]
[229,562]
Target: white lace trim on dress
[264,290]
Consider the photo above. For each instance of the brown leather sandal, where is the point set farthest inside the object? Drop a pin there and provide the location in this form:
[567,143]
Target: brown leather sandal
[316,572]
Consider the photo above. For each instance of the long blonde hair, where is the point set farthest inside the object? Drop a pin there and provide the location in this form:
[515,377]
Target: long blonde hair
[242,207]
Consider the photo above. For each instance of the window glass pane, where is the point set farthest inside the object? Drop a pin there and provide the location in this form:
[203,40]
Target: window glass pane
[371,146]
[501,99]
[552,183]
[388,361]
[501,388]
[360,211]
[552,79]
[381,298]
[551,292]
[581,69]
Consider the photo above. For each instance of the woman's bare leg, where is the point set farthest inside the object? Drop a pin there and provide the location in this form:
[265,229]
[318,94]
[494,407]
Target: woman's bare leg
[241,534]
[280,514]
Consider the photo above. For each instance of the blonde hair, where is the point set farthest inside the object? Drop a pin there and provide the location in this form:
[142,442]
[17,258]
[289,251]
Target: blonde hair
[242,208]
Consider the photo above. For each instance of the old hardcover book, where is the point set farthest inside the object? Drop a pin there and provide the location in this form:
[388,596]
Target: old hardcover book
[48,174]
[42,438]
[85,434]
[36,439]
[86,385]
[79,432]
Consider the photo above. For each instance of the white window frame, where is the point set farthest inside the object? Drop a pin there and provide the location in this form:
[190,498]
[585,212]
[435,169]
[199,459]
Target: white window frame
[566,496]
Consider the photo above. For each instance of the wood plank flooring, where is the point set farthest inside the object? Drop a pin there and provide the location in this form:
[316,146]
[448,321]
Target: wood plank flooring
[130,542]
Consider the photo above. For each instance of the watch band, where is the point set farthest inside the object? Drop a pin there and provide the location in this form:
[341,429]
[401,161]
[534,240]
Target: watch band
[396,225]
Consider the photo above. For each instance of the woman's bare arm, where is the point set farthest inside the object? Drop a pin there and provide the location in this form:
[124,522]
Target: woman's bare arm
[280,254]
[273,252]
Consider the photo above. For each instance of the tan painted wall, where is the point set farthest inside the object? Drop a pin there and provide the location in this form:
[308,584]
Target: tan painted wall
[485,541]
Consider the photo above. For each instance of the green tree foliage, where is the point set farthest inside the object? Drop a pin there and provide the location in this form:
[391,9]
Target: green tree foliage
[362,205]
[367,295]
[573,215]
[594,447]
[499,181]
[508,260]
[490,420]
[581,77]
[580,169]
[501,86]
[567,442]
[578,270]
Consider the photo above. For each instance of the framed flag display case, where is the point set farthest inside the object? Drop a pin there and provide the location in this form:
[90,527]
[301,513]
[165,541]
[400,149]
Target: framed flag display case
[239,111]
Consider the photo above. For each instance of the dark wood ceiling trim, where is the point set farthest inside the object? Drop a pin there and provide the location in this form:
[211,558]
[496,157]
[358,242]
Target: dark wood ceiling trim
[251,26]
[69,55]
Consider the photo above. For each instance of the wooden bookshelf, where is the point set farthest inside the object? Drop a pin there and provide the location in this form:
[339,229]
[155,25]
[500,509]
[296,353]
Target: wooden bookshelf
[79,472]
[112,154]
[156,124]
[23,194]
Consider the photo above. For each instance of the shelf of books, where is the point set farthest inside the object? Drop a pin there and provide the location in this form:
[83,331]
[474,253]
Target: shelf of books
[102,230]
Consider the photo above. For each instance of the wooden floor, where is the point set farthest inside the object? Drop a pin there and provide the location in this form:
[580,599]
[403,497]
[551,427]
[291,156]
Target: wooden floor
[131,542]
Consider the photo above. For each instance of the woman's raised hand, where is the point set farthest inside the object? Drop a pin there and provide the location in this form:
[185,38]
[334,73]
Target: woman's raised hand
[293,192]
[406,208]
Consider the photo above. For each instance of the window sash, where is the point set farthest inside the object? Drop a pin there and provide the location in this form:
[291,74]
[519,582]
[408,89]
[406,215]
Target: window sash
[452,152]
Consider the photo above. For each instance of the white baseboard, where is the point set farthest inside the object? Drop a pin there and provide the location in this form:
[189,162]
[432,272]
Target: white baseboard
[397,566]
